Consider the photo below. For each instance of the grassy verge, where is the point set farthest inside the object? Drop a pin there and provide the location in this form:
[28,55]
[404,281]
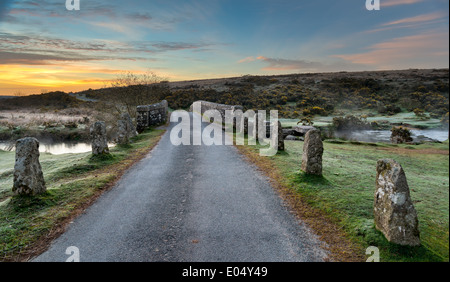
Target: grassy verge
[339,205]
[74,181]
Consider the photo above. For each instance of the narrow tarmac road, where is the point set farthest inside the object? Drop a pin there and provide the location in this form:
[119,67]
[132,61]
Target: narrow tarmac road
[189,204]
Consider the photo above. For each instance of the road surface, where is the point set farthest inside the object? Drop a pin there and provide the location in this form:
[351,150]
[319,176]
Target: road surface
[188,204]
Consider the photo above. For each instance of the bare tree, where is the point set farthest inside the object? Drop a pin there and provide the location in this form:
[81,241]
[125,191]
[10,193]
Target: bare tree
[129,90]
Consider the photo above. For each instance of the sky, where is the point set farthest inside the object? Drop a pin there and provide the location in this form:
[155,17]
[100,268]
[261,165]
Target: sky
[46,47]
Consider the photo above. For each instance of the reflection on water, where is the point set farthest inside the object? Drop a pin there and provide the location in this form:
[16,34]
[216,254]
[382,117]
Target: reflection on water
[385,135]
[56,148]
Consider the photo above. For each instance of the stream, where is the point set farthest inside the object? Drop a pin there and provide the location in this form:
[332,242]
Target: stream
[384,135]
[56,148]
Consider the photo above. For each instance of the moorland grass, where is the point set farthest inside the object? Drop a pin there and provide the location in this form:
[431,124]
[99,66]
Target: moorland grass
[27,224]
[345,192]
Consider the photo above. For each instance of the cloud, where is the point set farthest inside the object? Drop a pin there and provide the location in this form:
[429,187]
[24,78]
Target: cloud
[39,50]
[417,19]
[114,26]
[276,64]
[139,16]
[21,58]
[390,3]
[280,64]
[174,46]
[423,50]
[246,60]
[411,22]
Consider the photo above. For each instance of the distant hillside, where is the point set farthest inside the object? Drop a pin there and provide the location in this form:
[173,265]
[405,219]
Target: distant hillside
[296,95]
[293,95]
[52,100]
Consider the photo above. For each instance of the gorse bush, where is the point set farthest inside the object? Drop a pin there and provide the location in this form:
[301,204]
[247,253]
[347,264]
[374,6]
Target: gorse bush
[400,135]
[350,122]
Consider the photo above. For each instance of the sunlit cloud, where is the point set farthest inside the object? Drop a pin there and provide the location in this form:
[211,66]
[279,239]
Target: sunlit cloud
[246,60]
[116,27]
[390,3]
[417,19]
[285,65]
[411,22]
[417,51]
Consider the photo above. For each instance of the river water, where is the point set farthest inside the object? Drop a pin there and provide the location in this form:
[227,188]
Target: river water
[384,135]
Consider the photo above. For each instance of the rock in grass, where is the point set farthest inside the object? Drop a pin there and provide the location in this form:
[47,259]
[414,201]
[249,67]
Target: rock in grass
[126,129]
[394,212]
[28,176]
[312,153]
[98,138]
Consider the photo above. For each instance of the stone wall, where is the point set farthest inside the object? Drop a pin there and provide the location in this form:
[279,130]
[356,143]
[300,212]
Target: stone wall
[151,115]
[205,106]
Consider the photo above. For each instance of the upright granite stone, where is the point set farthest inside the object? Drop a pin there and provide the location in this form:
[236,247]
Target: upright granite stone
[131,129]
[280,137]
[244,128]
[28,176]
[312,153]
[256,125]
[125,129]
[394,212]
[122,132]
[98,138]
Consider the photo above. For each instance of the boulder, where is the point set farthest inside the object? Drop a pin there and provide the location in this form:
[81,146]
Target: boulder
[98,138]
[28,176]
[312,153]
[394,212]
[287,132]
[301,130]
[293,138]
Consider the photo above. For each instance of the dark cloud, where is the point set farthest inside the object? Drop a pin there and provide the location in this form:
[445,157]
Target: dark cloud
[172,46]
[20,58]
[139,16]
[33,50]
